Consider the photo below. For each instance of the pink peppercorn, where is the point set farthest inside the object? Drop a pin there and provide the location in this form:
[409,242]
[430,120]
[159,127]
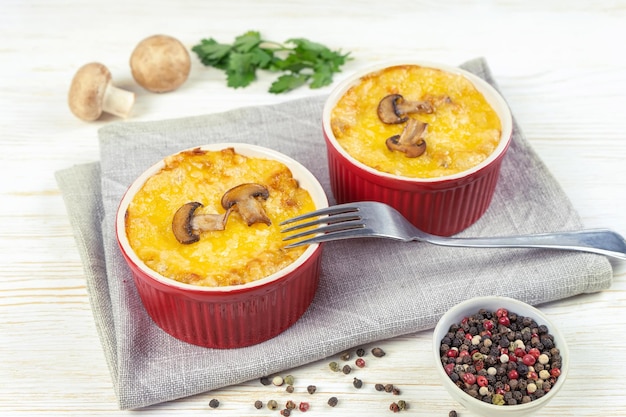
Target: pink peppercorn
[482,381]
[513,374]
[504,320]
[449,368]
[469,378]
[463,353]
[502,312]
[488,325]
[519,352]
[304,406]
[528,359]
[555,372]
[452,353]
[532,375]
[535,352]
[360,363]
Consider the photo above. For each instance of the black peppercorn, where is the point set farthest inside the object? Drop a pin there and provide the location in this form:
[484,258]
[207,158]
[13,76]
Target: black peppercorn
[214,403]
[379,387]
[357,383]
[311,389]
[346,369]
[332,401]
[378,352]
[258,404]
[360,352]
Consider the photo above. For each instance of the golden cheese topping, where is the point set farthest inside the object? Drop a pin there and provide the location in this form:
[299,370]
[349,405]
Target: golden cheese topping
[236,255]
[463,130]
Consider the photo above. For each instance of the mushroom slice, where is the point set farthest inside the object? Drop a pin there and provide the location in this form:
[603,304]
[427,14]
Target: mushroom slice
[244,198]
[187,225]
[411,140]
[393,109]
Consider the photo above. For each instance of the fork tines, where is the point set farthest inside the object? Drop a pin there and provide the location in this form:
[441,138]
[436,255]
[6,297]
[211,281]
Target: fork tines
[331,220]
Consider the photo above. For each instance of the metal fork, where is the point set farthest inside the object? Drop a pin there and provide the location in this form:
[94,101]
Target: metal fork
[372,219]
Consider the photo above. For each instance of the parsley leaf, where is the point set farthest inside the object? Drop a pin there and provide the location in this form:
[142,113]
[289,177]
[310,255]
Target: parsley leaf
[300,60]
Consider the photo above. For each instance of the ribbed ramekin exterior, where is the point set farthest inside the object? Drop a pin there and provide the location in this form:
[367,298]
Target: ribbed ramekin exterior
[442,208]
[233,319]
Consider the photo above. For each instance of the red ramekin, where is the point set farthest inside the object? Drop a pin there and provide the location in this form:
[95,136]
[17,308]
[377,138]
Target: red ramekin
[230,316]
[442,206]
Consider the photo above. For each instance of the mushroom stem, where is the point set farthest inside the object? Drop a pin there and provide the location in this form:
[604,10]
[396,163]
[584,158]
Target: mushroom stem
[411,140]
[117,101]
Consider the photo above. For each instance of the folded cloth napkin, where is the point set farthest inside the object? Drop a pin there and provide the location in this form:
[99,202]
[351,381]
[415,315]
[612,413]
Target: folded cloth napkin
[370,289]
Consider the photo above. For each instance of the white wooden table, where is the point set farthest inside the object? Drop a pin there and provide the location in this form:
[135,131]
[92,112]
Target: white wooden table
[560,64]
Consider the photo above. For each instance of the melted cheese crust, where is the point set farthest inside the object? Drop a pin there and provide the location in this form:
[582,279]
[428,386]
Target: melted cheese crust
[237,255]
[462,131]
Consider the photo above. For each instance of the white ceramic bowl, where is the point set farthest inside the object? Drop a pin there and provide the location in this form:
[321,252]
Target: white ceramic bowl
[492,303]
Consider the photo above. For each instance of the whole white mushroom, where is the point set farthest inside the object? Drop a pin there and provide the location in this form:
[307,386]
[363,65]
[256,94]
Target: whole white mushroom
[93,93]
[160,63]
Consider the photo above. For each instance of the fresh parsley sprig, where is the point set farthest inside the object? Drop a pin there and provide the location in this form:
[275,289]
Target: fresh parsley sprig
[300,60]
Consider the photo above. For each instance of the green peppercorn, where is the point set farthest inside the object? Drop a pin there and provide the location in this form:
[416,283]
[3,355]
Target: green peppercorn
[289,380]
[214,403]
[357,383]
[332,401]
[402,404]
[334,366]
[497,399]
[272,405]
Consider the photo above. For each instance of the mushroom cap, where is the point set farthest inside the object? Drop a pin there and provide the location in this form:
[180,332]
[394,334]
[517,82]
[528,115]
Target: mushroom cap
[243,199]
[387,110]
[87,90]
[160,63]
[181,223]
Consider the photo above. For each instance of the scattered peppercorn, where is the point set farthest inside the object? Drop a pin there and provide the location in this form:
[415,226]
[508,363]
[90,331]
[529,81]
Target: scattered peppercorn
[272,405]
[403,405]
[285,412]
[334,366]
[357,383]
[395,391]
[290,405]
[379,387]
[304,406]
[452,414]
[346,369]
[394,407]
[311,389]
[289,380]
[290,389]
[360,352]
[332,401]
[214,403]
[277,380]
[388,387]
[265,380]
[345,356]
[378,352]
[360,363]
[258,404]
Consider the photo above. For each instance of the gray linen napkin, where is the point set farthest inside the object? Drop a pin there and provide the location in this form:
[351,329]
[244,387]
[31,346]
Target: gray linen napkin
[370,289]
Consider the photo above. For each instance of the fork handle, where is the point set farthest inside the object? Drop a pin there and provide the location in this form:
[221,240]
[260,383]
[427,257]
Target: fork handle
[601,241]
